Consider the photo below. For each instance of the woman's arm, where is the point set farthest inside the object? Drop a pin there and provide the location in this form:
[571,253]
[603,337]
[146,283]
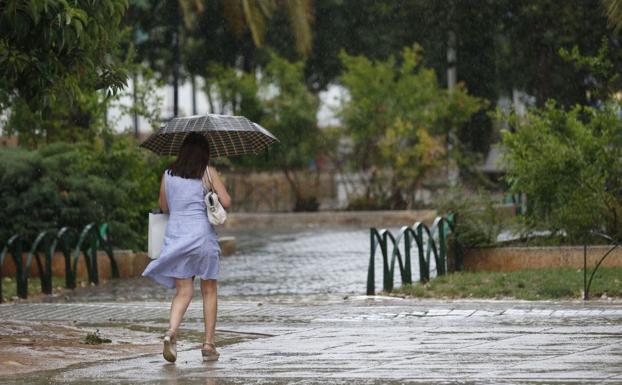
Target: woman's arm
[162,199]
[219,187]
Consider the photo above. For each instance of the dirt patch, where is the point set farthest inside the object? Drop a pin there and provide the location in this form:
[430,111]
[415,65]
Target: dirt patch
[27,347]
[32,346]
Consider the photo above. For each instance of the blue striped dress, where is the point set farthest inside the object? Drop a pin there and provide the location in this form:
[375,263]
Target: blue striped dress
[190,242]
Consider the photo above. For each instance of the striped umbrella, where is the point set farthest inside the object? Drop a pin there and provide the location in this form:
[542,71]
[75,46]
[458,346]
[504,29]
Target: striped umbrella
[227,135]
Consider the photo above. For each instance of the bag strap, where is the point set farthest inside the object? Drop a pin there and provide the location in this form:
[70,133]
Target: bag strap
[209,178]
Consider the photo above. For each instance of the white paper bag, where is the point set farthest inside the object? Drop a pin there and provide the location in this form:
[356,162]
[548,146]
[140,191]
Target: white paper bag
[157,228]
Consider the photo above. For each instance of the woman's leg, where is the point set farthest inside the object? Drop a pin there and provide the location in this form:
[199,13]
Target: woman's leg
[209,290]
[185,291]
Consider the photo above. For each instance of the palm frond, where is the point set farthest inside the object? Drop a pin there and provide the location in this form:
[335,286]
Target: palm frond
[190,10]
[300,18]
[255,20]
[613,9]
[234,14]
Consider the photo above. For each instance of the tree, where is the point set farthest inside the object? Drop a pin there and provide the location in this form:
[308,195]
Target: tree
[501,45]
[178,38]
[278,99]
[379,29]
[254,16]
[534,32]
[55,53]
[398,117]
[290,113]
[568,160]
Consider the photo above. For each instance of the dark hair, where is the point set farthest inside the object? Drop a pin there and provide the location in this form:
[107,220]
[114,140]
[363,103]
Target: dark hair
[193,157]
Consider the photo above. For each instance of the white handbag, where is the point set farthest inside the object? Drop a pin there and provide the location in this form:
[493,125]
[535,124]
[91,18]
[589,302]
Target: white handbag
[157,228]
[216,214]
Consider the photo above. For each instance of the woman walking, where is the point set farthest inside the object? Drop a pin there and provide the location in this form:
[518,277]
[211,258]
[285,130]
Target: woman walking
[190,244]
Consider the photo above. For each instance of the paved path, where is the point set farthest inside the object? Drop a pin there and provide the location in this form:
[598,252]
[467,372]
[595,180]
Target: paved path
[291,312]
[361,340]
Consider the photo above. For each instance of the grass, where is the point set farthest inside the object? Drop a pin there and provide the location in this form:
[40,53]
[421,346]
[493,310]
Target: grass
[9,287]
[95,339]
[540,284]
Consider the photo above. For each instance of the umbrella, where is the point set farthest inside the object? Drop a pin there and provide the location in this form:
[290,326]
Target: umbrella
[227,135]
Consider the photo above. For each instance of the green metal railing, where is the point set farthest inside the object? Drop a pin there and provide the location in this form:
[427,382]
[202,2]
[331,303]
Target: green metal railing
[614,244]
[71,244]
[417,235]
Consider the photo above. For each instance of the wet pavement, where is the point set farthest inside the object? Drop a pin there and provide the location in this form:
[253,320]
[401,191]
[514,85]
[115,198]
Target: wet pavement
[292,312]
[317,262]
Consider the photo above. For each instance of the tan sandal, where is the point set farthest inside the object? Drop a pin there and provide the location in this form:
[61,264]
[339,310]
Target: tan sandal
[170,346]
[210,354]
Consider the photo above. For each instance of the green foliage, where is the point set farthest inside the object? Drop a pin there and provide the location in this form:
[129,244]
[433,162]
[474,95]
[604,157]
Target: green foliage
[145,100]
[289,109]
[533,32]
[568,164]
[74,184]
[95,338]
[232,92]
[47,48]
[278,99]
[398,118]
[76,120]
[604,79]
[9,287]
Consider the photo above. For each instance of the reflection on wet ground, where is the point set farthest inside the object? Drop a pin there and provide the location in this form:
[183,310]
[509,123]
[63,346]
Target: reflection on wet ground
[318,263]
[309,262]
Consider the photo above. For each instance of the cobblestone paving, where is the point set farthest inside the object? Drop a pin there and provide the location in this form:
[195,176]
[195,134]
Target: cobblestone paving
[361,340]
[357,309]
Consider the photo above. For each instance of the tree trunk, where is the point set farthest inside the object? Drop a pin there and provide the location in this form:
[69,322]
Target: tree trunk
[208,94]
[176,73]
[135,102]
[194,94]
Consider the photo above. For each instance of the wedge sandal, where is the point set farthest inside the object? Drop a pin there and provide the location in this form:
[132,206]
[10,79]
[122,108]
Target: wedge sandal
[169,350]
[210,354]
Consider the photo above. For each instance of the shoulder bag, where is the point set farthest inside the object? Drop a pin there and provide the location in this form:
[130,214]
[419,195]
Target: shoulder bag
[215,212]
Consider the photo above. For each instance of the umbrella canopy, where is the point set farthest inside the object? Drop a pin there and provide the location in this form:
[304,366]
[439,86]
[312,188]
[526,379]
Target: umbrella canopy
[227,135]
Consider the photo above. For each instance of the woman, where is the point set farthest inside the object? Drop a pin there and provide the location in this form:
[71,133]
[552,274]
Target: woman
[190,243]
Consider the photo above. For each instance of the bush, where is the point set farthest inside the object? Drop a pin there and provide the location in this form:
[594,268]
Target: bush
[74,184]
[568,164]
[478,223]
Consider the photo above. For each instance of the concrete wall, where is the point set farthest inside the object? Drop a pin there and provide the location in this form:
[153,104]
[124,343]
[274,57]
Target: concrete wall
[271,192]
[130,264]
[363,219]
[518,258]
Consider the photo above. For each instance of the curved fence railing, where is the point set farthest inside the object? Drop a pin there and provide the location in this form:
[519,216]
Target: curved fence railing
[614,244]
[427,241]
[67,241]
